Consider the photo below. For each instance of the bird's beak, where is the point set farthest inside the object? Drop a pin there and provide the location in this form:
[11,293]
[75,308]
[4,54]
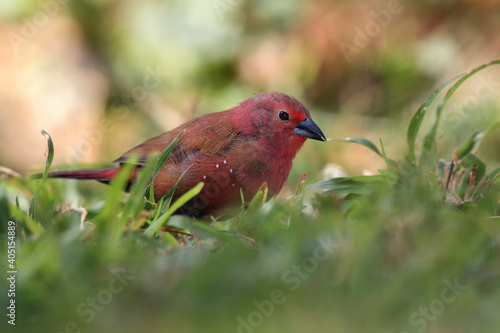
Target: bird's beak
[309,129]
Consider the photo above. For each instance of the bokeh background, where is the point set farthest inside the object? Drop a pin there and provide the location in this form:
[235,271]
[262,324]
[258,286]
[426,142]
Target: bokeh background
[102,76]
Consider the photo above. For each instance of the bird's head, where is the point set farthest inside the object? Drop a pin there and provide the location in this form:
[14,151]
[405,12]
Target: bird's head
[277,120]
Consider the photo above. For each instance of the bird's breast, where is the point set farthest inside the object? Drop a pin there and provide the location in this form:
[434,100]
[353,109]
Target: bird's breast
[226,175]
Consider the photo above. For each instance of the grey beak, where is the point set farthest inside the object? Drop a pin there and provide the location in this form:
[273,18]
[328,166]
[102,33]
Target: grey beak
[310,130]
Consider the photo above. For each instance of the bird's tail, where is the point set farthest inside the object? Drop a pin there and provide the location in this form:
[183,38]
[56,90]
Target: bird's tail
[102,175]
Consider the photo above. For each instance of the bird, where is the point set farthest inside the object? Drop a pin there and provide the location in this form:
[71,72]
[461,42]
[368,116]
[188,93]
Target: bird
[230,151]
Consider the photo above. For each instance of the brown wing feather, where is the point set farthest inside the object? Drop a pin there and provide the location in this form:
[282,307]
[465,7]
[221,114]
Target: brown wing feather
[151,146]
[209,134]
[205,139]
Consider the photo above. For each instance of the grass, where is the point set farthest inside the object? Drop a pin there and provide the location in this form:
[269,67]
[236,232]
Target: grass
[412,249]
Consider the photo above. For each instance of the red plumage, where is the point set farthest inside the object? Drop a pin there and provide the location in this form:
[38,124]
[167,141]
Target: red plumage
[240,148]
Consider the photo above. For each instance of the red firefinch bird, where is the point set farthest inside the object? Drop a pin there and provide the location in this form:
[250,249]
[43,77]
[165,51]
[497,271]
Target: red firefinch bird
[240,148]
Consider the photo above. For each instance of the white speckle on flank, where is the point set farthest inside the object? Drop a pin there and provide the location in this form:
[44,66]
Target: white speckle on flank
[225,162]
[204,177]
[233,184]
[216,165]
[231,170]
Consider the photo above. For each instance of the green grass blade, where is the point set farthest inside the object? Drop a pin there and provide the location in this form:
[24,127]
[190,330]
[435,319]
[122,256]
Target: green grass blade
[242,197]
[471,144]
[205,230]
[135,203]
[475,140]
[471,161]
[254,206]
[108,223]
[233,239]
[258,200]
[167,198]
[391,164]
[161,208]
[428,157]
[117,186]
[298,200]
[160,162]
[418,117]
[354,185]
[362,141]
[49,157]
[158,223]
[164,203]
[4,208]
[492,176]
[21,216]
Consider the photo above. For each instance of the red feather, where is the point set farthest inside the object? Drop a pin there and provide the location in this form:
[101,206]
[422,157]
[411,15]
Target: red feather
[102,175]
[240,148]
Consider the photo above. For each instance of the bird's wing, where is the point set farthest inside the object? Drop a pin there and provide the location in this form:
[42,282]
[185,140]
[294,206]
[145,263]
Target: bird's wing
[209,134]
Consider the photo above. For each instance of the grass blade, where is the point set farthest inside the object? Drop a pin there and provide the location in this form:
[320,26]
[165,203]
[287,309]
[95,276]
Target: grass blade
[365,142]
[418,117]
[354,185]
[135,203]
[49,157]
[257,201]
[428,157]
[20,215]
[471,144]
[158,223]
[471,161]
[108,223]
[162,159]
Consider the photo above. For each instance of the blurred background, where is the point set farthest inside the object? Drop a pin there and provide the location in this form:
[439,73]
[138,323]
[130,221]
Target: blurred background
[102,76]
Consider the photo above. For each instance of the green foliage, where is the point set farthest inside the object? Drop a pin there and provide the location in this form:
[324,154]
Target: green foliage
[378,247]
[418,118]
[34,200]
[160,162]
[162,219]
[362,141]
[465,174]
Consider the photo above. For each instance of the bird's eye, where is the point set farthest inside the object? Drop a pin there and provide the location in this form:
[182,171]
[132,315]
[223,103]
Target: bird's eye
[283,115]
